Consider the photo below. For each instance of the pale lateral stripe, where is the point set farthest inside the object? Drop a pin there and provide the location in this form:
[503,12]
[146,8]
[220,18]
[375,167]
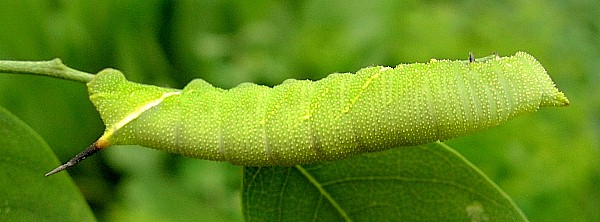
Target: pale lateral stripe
[136,113]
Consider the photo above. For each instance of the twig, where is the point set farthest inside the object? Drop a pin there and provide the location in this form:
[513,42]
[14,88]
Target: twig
[52,68]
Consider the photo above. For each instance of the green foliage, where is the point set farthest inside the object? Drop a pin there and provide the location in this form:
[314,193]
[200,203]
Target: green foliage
[27,195]
[432,183]
[549,162]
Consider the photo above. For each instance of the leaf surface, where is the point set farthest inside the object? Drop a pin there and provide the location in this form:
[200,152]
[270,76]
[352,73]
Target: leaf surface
[425,183]
[25,193]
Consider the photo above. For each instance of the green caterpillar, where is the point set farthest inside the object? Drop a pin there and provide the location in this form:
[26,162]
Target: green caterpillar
[304,122]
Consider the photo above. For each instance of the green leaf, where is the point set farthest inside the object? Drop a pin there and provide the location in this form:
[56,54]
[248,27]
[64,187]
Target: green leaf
[25,193]
[430,182]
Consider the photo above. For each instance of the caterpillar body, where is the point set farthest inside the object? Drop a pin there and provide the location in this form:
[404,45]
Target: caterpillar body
[303,121]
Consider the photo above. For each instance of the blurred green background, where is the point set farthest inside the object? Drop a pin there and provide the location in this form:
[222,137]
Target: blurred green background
[548,162]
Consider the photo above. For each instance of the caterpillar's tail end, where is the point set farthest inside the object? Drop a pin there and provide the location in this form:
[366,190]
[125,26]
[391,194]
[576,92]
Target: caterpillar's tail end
[78,158]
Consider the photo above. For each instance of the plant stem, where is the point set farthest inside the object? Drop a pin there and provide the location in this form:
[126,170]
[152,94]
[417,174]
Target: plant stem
[52,68]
